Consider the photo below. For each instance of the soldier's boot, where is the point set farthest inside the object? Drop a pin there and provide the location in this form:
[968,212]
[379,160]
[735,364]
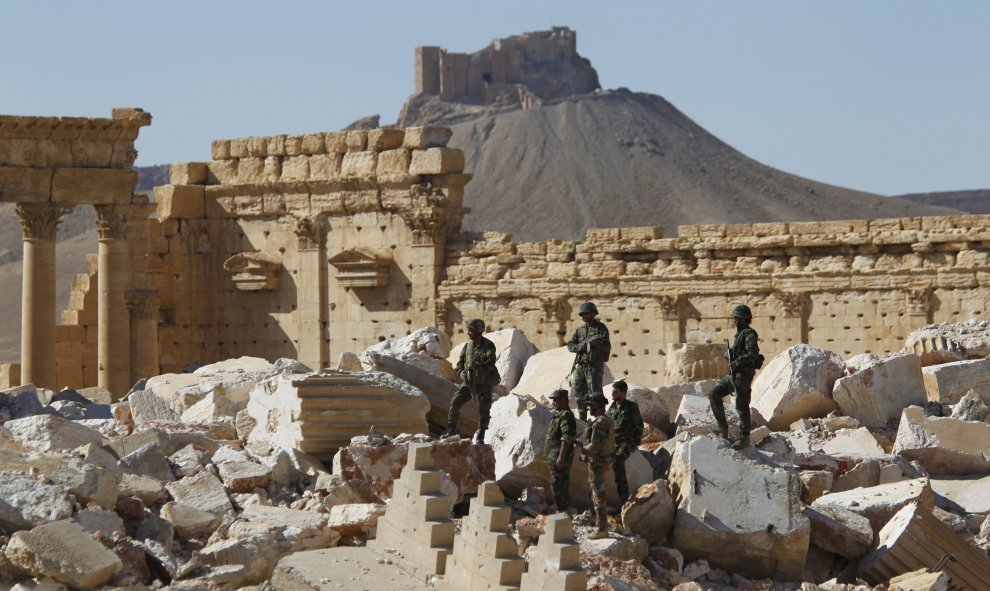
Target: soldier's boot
[451,430]
[602,531]
[479,437]
[743,441]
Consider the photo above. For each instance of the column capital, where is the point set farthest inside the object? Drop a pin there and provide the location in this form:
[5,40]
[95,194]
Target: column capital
[40,220]
[111,222]
[142,304]
[309,232]
[671,306]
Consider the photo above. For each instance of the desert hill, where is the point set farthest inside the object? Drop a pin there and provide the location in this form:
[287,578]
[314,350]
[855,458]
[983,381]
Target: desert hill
[975,201]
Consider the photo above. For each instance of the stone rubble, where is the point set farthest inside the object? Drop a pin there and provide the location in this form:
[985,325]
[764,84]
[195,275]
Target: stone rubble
[167,493]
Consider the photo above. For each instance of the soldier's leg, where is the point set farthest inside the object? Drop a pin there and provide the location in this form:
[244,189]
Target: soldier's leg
[596,481]
[720,391]
[621,479]
[744,393]
[484,406]
[596,374]
[579,385]
[453,416]
[560,487]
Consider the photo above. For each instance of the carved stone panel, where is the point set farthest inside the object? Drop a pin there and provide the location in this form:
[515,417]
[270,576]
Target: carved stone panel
[253,271]
[361,267]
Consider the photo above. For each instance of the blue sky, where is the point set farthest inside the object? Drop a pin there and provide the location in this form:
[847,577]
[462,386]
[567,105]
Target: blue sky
[888,96]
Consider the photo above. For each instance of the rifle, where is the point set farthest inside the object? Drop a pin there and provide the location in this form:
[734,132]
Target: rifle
[469,378]
[728,355]
[586,345]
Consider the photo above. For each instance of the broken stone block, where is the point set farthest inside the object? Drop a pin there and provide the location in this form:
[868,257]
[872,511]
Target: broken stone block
[335,569]
[189,522]
[650,512]
[943,445]
[974,406]
[150,491]
[518,434]
[188,461]
[512,350]
[294,529]
[875,396]
[425,137]
[146,407]
[425,348]
[671,397]
[814,484]
[797,383]
[25,502]
[212,405]
[968,494]
[243,477]
[914,539]
[349,362]
[921,580]
[355,521]
[485,555]
[98,520]
[203,491]
[148,460]
[853,443]
[951,341]
[880,503]
[618,547]
[555,563]
[694,416]
[51,433]
[839,530]
[338,406]
[766,537]
[548,371]
[693,362]
[862,475]
[948,382]
[257,554]
[66,553]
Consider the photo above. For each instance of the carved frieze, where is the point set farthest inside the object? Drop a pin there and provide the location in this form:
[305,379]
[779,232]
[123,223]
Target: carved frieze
[253,271]
[671,306]
[40,220]
[361,267]
[309,232]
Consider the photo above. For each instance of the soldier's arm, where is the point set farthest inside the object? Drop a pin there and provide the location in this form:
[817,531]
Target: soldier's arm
[595,441]
[574,345]
[605,344]
[567,432]
[750,349]
[486,356]
[637,424]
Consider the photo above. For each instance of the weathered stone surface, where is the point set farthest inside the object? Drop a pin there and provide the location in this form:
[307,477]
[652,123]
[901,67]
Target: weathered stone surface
[921,580]
[89,483]
[189,522]
[863,475]
[257,554]
[943,445]
[148,460]
[149,491]
[339,491]
[950,341]
[814,484]
[852,443]
[243,477]
[880,503]
[969,494]
[425,348]
[212,405]
[518,434]
[147,407]
[355,521]
[315,570]
[693,362]
[670,396]
[51,433]
[839,530]
[25,502]
[294,529]
[948,382]
[548,371]
[876,395]
[66,553]
[512,349]
[203,491]
[974,406]
[98,520]
[797,383]
[188,461]
[617,547]
[765,537]
[650,512]
[694,415]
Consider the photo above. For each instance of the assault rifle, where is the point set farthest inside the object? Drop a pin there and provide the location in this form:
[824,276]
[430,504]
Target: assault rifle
[728,355]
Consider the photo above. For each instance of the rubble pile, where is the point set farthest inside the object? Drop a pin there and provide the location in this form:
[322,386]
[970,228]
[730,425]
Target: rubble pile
[863,473]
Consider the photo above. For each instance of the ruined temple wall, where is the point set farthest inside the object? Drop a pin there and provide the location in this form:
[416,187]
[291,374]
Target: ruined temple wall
[847,286]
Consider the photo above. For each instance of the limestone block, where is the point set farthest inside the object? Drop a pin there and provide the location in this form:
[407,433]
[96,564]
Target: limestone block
[149,491]
[188,173]
[190,522]
[548,371]
[336,142]
[25,502]
[356,520]
[394,162]
[295,529]
[416,527]
[766,537]
[222,172]
[146,407]
[555,563]
[423,348]
[295,168]
[231,380]
[517,434]
[690,362]
[100,520]
[797,383]
[356,141]
[359,164]
[974,406]
[93,185]
[950,341]
[485,555]
[694,416]
[10,375]
[437,161]
[855,444]
[382,139]
[254,557]
[948,382]
[424,137]
[914,539]
[64,552]
[943,445]
[203,491]
[148,460]
[670,396]
[51,433]
[29,185]
[968,493]
[879,503]
[512,349]
[243,477]
[877,394]
[220,149]
[338,491]
[840,531]
[921,580]
[814,484]
[325,166]
[334,569]
[650,512]
[212,405]
[617,548]
[313,143]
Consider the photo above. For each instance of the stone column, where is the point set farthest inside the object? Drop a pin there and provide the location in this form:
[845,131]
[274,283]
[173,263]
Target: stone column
[113,278]
[142,308]
[672,323]
[311,293]
[920,303]
[39,221]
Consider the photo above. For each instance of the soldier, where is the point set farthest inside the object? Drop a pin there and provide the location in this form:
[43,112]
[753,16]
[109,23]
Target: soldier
[744,359]
[628,424]
[598,452]
[590,342]
[476,369]
[558,452]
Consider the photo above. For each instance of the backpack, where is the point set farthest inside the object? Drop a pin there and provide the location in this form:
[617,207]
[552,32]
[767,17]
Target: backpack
[758,362]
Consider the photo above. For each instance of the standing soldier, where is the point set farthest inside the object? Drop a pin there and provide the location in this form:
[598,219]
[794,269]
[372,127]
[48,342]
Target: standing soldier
[590,342]
[559,449]
[598,452]
[744,360]
[628,424]
[476,369]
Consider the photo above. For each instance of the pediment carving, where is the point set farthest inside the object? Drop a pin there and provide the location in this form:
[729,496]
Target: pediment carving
[253,271]
[361,267]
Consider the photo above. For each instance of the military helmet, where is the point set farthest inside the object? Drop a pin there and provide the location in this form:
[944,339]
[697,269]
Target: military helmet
[742,311]
[558,394]
[596,400]
[588,307]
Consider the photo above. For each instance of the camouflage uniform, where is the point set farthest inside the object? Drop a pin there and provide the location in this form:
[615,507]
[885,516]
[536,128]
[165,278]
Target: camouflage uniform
[563,427]
[479,358]
[589,364]
[598,454]
[745,351]
[628,423]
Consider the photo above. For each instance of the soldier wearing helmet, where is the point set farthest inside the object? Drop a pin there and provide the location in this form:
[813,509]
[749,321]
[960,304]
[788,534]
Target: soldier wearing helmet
[592,347]
[478,374]
[598,447]
[744,360]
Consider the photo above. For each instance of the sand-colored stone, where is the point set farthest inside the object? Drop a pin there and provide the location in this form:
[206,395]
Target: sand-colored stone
[948,382]
[485,555]
[63,551]
[943,445]
[876,395]
[693,362]
[555,564]
[548,371]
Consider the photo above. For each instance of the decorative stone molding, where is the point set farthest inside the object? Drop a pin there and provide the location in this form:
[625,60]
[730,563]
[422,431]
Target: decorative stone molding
[361,267]
[428,224]
[142,304]
[441,307]
[671,306]
[111,223]
[40,220]
[253,271]
[309,232]
[792,304]
[919,301]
